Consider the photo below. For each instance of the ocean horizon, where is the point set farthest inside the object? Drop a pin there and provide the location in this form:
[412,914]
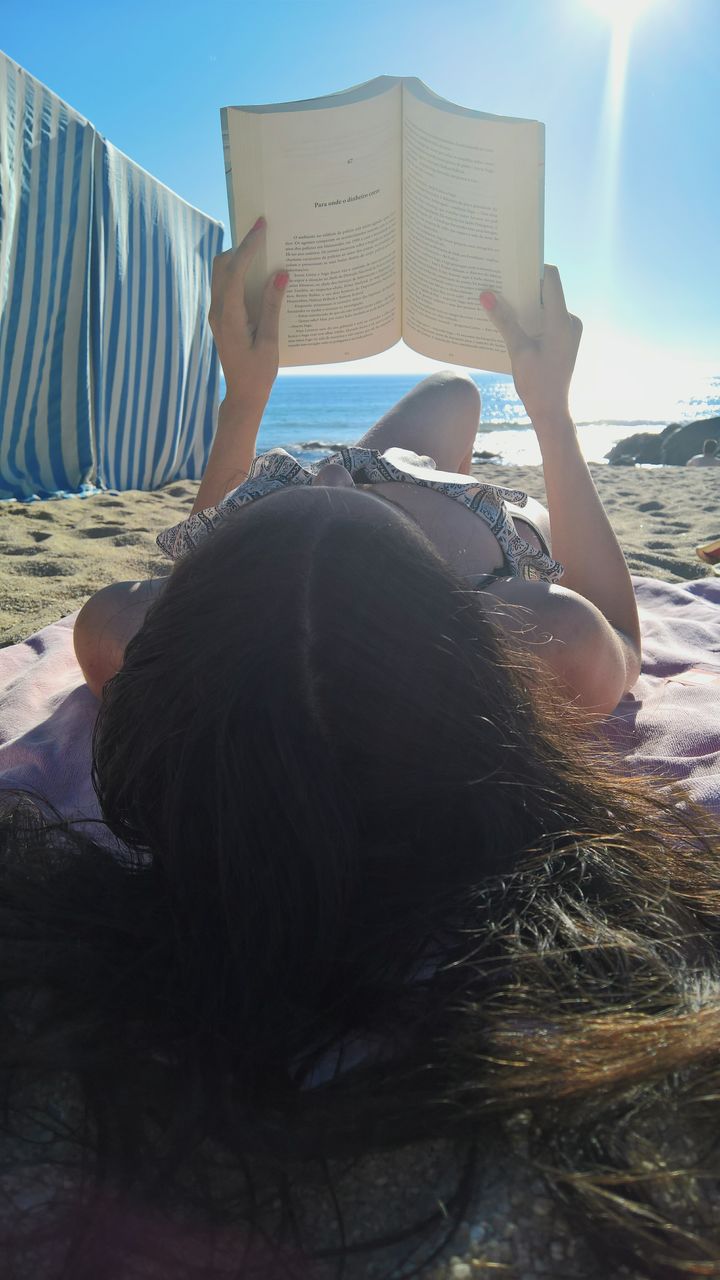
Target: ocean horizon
[310,415]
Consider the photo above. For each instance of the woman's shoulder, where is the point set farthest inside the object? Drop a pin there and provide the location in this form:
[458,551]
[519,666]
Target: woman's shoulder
[570,635]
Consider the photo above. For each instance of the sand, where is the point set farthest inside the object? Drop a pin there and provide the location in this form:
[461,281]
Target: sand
[53,555]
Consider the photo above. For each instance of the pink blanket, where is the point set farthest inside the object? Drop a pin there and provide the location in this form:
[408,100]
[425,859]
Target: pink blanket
[47,715]
[669,725]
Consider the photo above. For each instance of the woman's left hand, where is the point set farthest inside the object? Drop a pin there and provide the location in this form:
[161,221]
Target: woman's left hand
[248,354]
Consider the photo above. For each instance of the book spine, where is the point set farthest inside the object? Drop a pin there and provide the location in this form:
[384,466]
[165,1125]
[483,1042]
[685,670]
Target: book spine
[228,171]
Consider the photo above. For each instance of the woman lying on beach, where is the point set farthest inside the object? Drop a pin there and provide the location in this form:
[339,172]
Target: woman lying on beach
[417,461]
[379,890]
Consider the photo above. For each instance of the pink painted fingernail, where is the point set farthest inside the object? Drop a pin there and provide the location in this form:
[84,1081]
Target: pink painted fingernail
[260,223]
[281,279]
[488,300]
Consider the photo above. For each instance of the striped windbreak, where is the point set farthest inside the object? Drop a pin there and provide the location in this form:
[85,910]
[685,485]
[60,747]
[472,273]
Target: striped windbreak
[108,376]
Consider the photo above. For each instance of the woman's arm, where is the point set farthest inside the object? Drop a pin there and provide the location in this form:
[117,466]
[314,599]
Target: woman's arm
[249,358]
[592,661]
[582,537]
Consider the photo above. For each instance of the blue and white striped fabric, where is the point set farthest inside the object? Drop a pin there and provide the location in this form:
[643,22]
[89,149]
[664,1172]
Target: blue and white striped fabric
[108,375]
[156,371]
[46,172]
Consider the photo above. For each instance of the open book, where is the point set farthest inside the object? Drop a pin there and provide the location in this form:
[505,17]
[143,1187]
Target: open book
[392,210]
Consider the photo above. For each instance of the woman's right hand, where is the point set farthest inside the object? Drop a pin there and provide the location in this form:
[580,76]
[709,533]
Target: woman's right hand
[542,366]
[249,357]
[248,353]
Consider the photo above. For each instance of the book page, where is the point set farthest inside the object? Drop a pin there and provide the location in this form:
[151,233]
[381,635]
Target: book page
[472,220]
[328,181]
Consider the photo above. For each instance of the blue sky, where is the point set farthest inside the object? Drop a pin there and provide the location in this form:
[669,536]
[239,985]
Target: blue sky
[645,277]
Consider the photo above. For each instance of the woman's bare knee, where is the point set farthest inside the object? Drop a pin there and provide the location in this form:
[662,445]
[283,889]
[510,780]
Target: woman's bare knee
[439,417]
[454,382]
[447,392]
[452,416]
[461,417]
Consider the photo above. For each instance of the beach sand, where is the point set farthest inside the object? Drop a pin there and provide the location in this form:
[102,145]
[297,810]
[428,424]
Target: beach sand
[54,555]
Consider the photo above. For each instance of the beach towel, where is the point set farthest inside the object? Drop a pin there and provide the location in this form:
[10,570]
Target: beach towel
[47,715]
[668,726]
[108,373]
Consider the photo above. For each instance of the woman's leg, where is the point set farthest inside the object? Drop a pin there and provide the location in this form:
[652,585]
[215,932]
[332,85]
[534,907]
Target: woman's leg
[439,417]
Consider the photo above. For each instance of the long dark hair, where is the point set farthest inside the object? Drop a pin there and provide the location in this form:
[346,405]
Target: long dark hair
[378,884]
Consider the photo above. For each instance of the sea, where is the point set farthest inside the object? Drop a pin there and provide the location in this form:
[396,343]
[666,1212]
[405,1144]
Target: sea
[311,414]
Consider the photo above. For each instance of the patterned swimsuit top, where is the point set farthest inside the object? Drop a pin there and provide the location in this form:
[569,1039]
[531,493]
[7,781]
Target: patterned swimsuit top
[278,469]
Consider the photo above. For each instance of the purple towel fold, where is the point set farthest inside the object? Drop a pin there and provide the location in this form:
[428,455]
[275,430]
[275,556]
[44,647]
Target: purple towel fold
[47,715]
[669,725]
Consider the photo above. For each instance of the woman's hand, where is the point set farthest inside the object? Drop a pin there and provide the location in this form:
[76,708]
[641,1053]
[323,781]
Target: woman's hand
[542,366]
[582,536]
[249,357]
[248,354]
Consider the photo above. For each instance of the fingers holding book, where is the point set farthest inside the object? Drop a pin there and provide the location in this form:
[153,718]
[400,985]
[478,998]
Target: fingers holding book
[248,352]
[542,365]
[234,264]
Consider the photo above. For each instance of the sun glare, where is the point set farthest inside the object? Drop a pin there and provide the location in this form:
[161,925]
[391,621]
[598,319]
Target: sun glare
[622,18]
[619,13]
